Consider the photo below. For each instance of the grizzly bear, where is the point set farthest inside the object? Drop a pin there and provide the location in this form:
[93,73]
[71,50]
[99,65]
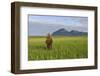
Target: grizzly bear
[49,41]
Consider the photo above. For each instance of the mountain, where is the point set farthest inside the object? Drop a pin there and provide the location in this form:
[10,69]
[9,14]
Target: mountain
[64,32]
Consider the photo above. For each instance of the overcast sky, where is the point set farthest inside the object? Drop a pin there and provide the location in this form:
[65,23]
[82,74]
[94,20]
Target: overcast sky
[40,25]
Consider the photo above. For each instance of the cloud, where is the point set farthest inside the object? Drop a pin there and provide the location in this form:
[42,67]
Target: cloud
[41,25]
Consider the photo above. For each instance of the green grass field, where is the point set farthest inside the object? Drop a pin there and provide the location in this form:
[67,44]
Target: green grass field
[63,48]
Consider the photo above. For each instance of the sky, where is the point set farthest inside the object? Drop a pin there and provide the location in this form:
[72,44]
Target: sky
[41,25]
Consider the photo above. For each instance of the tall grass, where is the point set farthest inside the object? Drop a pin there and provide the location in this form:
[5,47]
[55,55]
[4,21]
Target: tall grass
[63,48]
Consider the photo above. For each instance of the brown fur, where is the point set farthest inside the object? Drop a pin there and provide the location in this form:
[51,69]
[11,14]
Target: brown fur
[49,41]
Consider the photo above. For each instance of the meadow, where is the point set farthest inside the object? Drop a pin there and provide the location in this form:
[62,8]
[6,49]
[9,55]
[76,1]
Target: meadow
[64,47]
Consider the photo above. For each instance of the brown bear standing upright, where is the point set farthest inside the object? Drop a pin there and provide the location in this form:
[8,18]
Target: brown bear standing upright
[49,41]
